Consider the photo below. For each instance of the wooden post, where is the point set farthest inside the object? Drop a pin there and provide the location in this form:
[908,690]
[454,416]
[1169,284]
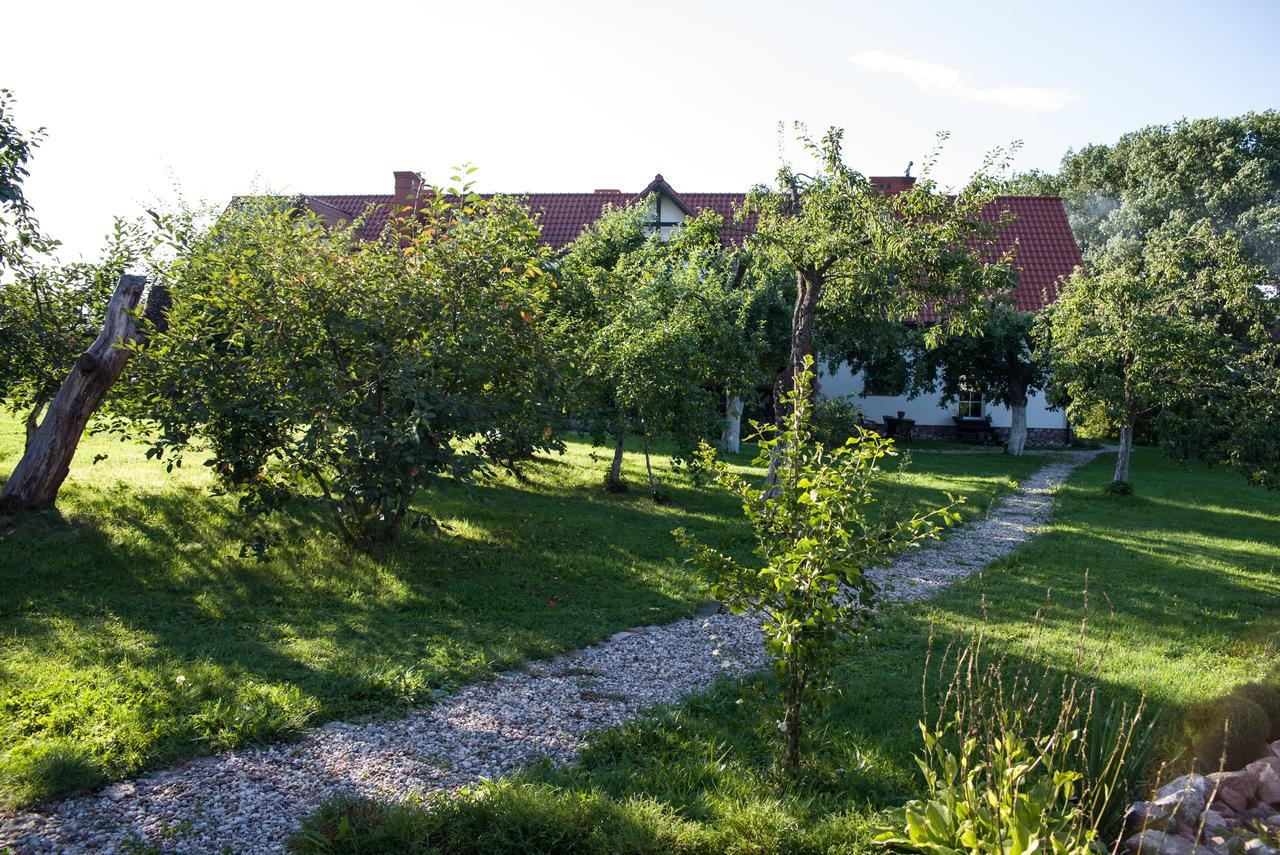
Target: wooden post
[47,459]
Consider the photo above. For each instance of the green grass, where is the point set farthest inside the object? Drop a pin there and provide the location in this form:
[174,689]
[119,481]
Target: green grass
[132,633]
[1182,586]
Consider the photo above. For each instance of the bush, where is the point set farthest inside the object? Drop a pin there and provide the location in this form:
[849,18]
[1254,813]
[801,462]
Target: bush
[1228,733]
[835,420]
[1267,697]
[1027,760]
[360,371]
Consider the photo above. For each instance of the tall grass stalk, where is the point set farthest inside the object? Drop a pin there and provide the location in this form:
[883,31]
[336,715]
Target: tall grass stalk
[1020,755]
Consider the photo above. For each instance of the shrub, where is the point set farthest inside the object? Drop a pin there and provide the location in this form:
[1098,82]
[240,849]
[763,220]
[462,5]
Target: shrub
[1021,762]
[1228,733]
[817,532]
[305,361]
[835,420]
[1267,697]
[1118,488]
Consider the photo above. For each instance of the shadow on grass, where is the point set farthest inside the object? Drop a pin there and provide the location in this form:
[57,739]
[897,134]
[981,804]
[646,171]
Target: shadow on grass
[1181,608]
[133,624]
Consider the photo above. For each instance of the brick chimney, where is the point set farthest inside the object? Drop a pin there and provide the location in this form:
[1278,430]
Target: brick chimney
[892,183]
[408,185]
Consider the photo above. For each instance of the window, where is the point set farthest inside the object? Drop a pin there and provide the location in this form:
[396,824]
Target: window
[883,379]
[665,228]
[970,403]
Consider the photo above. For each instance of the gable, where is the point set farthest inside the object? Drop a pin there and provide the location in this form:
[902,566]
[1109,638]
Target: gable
[1046,250]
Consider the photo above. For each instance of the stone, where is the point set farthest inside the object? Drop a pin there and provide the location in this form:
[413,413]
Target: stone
[118,792]
[1214,822]
[1258,846]
[1273,820]
[1234,789]
[1256,765]
[1152,842]
[1268,781]
[1214,844]
[1187,796]
[1275,748]
[1144,815]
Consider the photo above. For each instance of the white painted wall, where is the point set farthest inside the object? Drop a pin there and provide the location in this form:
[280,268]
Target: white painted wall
[927,409]
[671,213]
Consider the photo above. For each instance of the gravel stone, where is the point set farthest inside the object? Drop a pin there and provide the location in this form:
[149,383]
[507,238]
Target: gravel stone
[252,799]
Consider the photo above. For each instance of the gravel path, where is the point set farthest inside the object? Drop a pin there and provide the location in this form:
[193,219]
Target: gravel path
[251,800]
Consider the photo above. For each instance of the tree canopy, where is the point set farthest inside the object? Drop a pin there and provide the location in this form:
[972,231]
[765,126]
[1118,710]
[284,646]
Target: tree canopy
[303,359]
[20,234]
[863,257]
[655,325]
[1223,170]
[1179,336]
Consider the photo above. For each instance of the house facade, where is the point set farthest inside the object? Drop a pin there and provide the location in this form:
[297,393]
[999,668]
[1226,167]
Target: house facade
[1045,254]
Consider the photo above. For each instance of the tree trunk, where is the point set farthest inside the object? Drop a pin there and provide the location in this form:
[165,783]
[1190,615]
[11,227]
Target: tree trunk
[44,465]
[1018,428]
[1126,439]
[614,481]
[808,291]
[731,436]
[648,466]
[791,717]
[1122,456]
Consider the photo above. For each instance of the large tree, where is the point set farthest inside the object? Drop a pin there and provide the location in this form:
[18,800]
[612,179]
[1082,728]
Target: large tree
[1223,170]
[1179,336]
[302,360]
[858,252]
[653,324]
[999,360]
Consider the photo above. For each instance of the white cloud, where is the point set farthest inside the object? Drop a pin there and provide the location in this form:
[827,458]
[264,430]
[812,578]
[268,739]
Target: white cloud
[948,82]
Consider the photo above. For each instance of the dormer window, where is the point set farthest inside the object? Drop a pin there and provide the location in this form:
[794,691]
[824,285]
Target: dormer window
[669,210]
[971,405]
[668,219]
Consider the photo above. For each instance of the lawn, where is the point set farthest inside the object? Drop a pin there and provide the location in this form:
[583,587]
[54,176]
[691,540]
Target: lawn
[1182,586]
[133,633]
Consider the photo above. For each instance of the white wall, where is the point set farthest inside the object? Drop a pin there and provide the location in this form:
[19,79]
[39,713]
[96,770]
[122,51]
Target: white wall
[671,213]
[927,409]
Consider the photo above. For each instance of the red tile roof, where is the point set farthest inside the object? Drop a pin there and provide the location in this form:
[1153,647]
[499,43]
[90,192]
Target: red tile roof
[1046,251]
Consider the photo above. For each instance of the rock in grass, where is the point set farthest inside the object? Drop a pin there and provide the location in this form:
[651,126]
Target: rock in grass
[1268,778]
[1267,697]
[1235,791]
[1147,815]
[1228,733]
[1185,798]
[1152,842]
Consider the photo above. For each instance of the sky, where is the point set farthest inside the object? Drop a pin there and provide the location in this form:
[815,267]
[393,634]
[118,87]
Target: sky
[144,103]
